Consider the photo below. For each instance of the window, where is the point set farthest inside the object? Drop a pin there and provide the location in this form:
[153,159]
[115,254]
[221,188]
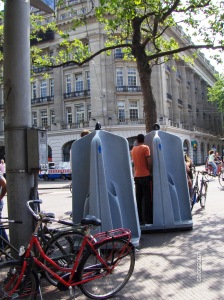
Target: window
[34,118]
[68,84]
[33,90]
[89,111]
[118,53]
[43,116]
[78,83]
[52,117]
[43,88]
[62,17]
[87,80]
[121,110]
[119,77]
[51,87]
[69,115]
[133,109]
[132,79]
[80,113]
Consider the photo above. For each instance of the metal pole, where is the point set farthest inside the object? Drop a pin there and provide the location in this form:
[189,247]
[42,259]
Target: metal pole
[17,114]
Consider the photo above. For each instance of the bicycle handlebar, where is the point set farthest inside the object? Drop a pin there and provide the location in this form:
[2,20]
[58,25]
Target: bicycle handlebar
[45,217]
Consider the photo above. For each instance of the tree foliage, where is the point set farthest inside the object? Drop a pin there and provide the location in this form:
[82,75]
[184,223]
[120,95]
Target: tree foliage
[143,29]
[216,93]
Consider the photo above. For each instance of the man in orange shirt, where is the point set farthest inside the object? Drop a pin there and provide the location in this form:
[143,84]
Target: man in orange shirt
[142,175]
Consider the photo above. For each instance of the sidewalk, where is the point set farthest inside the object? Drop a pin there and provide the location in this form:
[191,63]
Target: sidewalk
[177,265]
[170,265]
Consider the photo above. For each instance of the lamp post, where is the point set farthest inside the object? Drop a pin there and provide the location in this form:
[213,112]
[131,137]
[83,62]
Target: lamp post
[17,113]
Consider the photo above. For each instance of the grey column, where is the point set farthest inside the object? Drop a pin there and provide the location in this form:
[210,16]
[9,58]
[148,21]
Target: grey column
[200,104]
[58,96]
[184,95]
[193,98]
[175,94]
[17,102]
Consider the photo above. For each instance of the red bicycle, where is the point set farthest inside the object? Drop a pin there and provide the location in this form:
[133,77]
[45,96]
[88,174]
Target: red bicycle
[102,266]
[220,173]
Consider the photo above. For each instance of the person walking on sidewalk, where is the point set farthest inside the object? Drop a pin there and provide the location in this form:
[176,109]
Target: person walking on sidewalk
[142,176]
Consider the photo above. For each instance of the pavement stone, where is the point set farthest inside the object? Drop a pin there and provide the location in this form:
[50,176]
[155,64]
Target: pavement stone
[172,265]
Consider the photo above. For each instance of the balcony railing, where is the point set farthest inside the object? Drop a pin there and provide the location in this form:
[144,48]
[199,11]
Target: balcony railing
[119,55]
[77,94]
[75,125]
[41,69]
[129,89]
[133,121]
[42,99]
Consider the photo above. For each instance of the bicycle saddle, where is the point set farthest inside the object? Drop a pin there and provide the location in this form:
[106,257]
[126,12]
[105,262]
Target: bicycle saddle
[91,220]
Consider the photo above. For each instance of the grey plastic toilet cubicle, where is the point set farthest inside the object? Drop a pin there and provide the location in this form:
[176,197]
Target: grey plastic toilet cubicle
[171,207]
[102,182]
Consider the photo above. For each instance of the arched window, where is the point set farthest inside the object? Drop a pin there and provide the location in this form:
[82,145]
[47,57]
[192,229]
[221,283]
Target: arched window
[66,151]
[186,147]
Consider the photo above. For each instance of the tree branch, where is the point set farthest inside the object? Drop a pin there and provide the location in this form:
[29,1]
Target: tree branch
[179,50]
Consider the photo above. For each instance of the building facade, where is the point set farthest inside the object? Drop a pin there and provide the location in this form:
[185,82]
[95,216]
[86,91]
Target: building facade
[107,90]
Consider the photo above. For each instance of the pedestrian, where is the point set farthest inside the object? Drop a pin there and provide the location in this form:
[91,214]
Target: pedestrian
[189,164]
[211,161]
[3,167]
[2,194]
[84,132]
[143,180]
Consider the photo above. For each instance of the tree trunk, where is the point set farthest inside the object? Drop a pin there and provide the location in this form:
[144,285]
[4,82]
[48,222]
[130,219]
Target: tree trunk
[148,98]
[145,72]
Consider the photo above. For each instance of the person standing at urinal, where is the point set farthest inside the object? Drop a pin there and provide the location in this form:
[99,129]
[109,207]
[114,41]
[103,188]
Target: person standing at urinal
[143,181]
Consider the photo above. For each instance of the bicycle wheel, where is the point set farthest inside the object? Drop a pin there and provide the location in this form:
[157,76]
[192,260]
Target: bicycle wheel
[62,249]
[203,194]
[104,284]
[221,178]
[9,274]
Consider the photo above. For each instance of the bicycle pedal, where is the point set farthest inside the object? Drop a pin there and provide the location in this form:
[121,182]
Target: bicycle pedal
[62,263]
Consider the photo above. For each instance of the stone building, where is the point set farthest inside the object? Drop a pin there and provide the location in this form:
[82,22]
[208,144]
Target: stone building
[107,90]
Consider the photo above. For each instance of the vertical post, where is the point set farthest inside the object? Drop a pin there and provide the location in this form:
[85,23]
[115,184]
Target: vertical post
[17,114]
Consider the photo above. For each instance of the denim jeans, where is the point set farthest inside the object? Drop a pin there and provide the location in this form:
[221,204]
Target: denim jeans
[214,167]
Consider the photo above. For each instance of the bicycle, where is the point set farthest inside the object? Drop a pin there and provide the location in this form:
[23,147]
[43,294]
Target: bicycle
[221,177]
[199,193]
[57,243]
[209,170]
[47,236]
[107,254]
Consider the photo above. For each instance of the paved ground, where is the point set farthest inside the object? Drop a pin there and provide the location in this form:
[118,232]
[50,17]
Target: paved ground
[170,265]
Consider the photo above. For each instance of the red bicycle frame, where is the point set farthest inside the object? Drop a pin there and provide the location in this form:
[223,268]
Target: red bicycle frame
[97,239]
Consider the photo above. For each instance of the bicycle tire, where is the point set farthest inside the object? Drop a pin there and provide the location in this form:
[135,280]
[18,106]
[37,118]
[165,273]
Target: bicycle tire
[221,178]
[193,197]
[203,195]
[62,249]
[107,284]
[9,274]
